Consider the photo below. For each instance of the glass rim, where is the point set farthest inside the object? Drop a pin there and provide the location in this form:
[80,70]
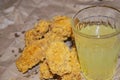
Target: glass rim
[95,36]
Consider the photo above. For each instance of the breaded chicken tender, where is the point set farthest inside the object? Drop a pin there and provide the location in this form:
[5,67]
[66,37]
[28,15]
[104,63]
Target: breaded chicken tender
[37,32]
[75,73]
[30,56]
[57,57]
[61,25]
[45,71]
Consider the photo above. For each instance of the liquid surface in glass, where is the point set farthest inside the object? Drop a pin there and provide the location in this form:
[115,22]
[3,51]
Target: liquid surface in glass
[98,57]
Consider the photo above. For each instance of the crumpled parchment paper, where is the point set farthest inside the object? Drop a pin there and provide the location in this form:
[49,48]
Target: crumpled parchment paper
[21,16]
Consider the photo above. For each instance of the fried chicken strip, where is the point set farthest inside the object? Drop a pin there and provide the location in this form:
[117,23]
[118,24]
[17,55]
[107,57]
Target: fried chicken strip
[57,57]
[61,25]
[37,32]
[31,55]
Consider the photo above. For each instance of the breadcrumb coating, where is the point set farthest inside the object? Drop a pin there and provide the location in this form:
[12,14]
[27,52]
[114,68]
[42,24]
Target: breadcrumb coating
[46,42]
[37,32]
[45,71]
[75,73]
[61,25]
[57,57]
[30,56]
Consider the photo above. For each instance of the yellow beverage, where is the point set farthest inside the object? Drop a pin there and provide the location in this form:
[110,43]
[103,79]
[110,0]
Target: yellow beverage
[98,56]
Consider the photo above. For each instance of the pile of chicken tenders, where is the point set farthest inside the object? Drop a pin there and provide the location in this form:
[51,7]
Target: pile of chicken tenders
[45,44]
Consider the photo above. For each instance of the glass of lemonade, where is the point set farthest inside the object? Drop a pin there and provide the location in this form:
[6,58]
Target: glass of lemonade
[97,37]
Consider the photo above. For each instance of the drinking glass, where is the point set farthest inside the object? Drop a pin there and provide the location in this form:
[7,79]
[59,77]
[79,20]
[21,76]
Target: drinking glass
[97,37]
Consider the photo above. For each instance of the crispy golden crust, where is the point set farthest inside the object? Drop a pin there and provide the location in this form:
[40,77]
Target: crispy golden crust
[36,33]
[72,76]
[74,60]
[57,57]
[60,28]
[29,36]
[30,56]
[44,71]
[61,25]
[75,73]
[42,26]
[50,36]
